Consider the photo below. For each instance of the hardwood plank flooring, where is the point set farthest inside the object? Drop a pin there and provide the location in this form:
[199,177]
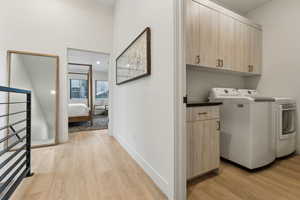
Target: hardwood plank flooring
[280,181]
[91,166]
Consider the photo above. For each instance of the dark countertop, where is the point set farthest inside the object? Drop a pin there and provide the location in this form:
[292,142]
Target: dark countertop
[201,104]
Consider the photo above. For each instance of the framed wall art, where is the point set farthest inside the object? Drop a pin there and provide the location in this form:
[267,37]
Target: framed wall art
[135,61]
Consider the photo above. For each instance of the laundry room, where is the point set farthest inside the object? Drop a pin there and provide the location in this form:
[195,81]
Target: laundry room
[241,80]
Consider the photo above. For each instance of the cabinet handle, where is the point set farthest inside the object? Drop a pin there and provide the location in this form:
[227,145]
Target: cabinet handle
[218,125]
[222,63]
[250,67]
[198,60]
[203,113]
[218,63]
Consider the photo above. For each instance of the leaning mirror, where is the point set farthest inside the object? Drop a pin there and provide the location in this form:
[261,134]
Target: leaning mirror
[38,73]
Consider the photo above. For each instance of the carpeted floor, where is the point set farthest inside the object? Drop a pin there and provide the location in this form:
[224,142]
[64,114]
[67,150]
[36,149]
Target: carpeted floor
[99,122]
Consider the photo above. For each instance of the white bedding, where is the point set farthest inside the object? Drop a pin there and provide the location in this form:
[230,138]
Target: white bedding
[78,109]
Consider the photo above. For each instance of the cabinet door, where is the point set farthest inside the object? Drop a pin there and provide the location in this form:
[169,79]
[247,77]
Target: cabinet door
[193,33]
[241,47]
[255,50]
[209,25]
[257,60]
[226,41]
[214,159]
[202,35]
[189,140]
[204,147]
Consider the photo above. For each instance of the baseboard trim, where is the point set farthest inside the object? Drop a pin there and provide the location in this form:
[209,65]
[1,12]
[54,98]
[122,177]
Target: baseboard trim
[160,182]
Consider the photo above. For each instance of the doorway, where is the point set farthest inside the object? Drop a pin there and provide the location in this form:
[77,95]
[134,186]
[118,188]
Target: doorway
[88,90]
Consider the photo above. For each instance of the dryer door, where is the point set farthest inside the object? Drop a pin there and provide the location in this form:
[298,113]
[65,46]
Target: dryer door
[288,121]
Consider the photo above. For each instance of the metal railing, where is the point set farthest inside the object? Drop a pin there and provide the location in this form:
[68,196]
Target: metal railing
[15,145]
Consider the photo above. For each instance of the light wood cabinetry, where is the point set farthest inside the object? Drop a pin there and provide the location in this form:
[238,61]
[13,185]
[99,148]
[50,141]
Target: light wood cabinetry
[221,39]
[203,153]
[255,52]
[226,42]
[202,35]
[193,33]
[241,47]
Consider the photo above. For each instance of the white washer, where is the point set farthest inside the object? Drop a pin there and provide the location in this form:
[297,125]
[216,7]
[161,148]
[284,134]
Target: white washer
[246,134]
[284,126]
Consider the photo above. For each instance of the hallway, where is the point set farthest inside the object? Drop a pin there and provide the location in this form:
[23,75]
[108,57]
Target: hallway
[91,166]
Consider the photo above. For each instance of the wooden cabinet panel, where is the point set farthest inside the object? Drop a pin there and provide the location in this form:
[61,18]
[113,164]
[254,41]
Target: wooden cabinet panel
[257,48]
[202,35]
[203,147]
[193,33]
[216,37]
[203,113]
[189,140]
[241,47]
[203,153]
[209,24]
[226,41]
[214,138]
[254,40]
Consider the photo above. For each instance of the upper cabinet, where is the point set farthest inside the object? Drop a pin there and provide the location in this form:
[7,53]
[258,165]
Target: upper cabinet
[202,35]
[226,42]
[255,54]
[218,38]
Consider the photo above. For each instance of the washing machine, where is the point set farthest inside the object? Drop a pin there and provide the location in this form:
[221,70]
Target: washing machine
[285,126]
[246,136]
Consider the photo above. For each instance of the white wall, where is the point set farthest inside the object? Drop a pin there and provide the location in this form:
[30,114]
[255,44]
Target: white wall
[45,26]
[200,82]
[143,110]
[281,49]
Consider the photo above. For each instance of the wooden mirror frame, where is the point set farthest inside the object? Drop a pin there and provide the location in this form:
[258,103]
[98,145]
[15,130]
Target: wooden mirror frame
[9,53]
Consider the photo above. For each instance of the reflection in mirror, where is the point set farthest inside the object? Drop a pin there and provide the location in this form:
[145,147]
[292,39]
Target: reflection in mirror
[38,74]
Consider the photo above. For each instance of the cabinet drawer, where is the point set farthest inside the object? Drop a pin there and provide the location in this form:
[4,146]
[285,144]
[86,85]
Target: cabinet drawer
[203,113]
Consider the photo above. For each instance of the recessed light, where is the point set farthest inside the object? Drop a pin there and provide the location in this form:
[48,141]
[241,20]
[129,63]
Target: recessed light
[98,62]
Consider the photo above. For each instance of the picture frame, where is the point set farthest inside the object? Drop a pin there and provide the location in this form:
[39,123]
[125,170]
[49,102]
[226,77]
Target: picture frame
[135,61]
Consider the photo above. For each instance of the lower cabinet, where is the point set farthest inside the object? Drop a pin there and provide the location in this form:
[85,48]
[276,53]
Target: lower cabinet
[203,152]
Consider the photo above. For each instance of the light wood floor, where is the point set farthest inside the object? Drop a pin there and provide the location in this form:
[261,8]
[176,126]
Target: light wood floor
[281,181]
[92,166]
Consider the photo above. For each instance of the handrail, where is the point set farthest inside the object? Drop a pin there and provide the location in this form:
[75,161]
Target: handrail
[16,164]
[14,90]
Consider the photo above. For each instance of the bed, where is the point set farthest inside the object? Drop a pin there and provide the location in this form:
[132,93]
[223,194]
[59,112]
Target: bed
[79,112]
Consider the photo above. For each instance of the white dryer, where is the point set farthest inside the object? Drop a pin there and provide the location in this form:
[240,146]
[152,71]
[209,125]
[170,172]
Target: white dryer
[284,123]
[246,128]
[284,126]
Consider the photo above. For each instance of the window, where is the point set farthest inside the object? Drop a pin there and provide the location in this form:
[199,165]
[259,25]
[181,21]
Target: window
[78,89]
[101,89]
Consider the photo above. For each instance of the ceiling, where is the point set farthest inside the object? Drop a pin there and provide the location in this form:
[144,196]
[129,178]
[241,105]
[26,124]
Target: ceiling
[100,61]
[241,6]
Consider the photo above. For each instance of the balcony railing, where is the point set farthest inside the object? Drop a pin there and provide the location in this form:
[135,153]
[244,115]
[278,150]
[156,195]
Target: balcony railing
[15,140]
